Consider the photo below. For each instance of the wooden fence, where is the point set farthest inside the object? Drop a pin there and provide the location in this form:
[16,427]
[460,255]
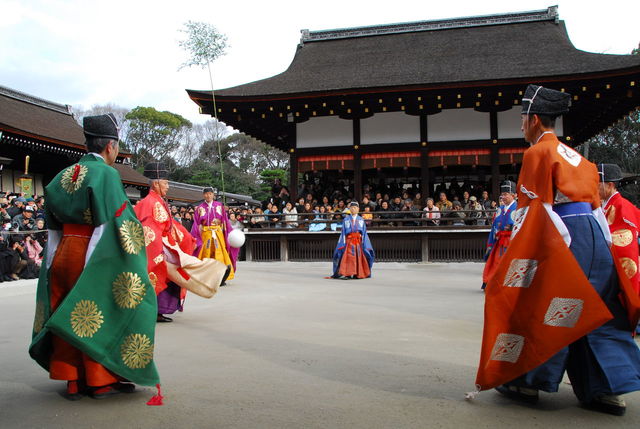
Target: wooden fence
[409,245]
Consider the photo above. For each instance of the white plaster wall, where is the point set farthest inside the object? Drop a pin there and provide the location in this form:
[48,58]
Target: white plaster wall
[390,127]
[458,124]
[325,131]
[510,121]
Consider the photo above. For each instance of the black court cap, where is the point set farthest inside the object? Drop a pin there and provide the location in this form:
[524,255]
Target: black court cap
[609,172]
[208,189]
[104,126]
[545,101]
[156,171]
[508,186]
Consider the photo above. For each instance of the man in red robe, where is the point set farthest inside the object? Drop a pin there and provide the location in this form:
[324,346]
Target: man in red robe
[623,219]
[558,301]
[161,232]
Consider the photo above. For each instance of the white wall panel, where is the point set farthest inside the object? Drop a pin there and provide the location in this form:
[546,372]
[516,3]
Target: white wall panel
[325,131]
[458,124]
[390,127]
[510,121]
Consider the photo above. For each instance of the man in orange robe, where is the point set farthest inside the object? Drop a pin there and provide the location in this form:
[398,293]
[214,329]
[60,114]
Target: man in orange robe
[555,302]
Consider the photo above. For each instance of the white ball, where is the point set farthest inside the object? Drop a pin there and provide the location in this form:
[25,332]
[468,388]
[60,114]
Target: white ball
[236,238]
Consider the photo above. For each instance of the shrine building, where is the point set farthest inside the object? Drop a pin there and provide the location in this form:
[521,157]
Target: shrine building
[428,102]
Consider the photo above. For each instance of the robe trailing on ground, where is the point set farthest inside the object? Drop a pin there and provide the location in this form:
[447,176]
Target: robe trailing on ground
[354,254]
[552,307]
[95,304]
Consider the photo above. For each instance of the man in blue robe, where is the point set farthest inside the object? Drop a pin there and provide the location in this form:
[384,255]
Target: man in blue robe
[354,255]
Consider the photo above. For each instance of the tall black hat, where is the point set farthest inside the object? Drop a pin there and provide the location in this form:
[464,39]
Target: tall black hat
[508,186]
[545,101]
[104,126]
[609,172]
[156,171]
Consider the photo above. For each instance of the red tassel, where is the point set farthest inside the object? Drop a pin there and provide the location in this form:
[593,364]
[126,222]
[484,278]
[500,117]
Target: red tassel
[76,173]
[121,209]
[157,398]
[183,273]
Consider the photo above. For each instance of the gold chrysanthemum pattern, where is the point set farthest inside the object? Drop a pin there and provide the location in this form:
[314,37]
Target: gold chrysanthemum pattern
[38,320]
[86,318]
[136,351]
[131,237]
[159,213]
[622,237]
[149,235]
[158,259]
[629,266]
[87,216]
[67,181]
[153,278]
[128,290]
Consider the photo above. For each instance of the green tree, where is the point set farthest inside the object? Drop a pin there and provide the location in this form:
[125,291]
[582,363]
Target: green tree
[154,135]
[267,179]
[619,144]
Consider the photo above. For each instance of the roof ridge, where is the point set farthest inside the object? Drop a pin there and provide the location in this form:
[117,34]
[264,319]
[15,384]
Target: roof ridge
[32,99]
[548,14]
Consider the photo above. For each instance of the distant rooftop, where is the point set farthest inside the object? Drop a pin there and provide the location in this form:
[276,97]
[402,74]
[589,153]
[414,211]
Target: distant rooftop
[549,14]
[41,102]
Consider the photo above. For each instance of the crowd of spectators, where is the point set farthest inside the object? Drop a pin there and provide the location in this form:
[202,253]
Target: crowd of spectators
[23,236]
[323,206]
[320,206]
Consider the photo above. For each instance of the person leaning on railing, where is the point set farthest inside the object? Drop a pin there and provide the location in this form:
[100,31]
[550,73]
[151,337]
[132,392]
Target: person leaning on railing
[457,214]
[386,215]
[431,213]
[409,212]
[290,216]
[474,212]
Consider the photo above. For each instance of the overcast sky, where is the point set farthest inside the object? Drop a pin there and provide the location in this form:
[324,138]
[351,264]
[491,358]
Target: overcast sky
[82,52]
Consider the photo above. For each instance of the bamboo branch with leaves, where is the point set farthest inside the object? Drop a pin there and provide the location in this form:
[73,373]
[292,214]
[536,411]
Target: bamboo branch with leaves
[204,43]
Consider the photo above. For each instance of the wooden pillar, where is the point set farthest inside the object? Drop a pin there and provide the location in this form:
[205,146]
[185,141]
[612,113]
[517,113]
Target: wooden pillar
[424,242]
[248,248]
[357,164]
[293,176]
[425,188]
[495,156]
[284,248]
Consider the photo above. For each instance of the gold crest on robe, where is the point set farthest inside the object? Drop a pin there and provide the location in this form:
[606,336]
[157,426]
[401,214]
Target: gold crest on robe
[622,237]
[629,266]
[159,213]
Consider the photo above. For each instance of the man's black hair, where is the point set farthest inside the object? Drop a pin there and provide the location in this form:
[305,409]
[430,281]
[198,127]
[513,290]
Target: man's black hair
[97,144]
[546,120]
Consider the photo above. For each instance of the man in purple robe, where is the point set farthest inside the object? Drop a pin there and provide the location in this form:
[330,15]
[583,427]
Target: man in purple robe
[211,228]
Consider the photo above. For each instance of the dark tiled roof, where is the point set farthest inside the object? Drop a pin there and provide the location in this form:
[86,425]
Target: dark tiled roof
[130,176]
[38,118]
[491,48]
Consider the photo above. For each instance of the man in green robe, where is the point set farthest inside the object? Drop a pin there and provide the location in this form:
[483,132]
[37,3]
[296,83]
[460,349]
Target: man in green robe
[95,306]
